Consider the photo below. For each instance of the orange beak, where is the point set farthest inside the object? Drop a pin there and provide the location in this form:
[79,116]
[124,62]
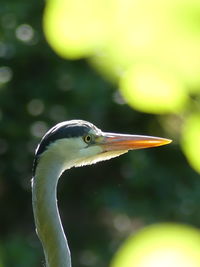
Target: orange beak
[113,142]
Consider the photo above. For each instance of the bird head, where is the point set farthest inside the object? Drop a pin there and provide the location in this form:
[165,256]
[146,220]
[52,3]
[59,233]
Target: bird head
[78,143]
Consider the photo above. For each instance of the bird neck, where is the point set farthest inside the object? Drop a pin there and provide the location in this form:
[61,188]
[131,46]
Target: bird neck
[47,219]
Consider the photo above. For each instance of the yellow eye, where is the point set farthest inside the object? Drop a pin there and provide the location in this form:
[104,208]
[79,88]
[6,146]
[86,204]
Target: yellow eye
[87,139]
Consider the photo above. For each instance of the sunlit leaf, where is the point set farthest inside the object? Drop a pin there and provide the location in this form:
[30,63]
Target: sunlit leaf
[166,245]
[149,89]
[75,28]
[191,140]
[119,35]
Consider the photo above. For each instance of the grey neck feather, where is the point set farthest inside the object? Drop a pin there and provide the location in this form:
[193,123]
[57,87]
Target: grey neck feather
[47,219]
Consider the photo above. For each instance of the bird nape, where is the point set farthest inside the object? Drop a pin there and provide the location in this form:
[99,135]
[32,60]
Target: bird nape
[71,144]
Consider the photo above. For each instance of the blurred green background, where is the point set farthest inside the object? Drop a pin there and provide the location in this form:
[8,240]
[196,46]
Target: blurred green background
[100,205]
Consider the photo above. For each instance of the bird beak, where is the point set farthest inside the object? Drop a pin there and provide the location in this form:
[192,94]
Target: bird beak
[113,142]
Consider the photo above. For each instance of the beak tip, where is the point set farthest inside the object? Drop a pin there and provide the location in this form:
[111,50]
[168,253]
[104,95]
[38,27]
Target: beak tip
[168,141]
[162,142]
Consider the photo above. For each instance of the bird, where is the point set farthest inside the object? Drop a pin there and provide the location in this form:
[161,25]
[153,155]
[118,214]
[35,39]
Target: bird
[68,144]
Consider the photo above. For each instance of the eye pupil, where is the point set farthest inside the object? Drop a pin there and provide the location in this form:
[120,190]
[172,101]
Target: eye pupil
[87,138]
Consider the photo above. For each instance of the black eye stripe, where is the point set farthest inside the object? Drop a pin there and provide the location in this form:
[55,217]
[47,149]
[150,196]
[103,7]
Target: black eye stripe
[67,129]
[62,132]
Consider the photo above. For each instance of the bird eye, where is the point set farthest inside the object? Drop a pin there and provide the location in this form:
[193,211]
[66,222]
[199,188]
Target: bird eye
[87,138]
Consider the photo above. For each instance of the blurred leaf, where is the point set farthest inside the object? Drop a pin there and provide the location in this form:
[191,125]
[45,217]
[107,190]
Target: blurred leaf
[149,89]
[75,28]
[166,245]
[191,140]
[120,36]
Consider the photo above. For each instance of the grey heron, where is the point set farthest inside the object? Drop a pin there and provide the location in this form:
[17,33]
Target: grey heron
[71,144]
